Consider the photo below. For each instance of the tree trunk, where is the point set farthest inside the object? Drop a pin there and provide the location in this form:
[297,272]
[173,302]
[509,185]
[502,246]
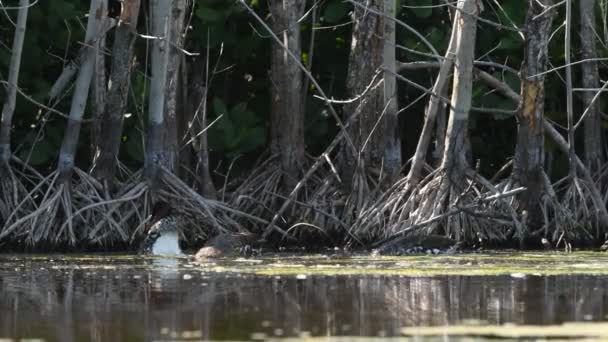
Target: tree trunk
[590,78]
[111,121]
[198,110]
[67,153]
[161,18]
[175,39]
[432,111]
[569,91]
[8,109]
[99,84]
[392,151]
[287,115]
[455,161]
[528,163]
[368,131]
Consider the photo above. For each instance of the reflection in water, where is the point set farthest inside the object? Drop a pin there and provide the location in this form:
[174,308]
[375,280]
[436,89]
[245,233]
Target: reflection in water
[114,299]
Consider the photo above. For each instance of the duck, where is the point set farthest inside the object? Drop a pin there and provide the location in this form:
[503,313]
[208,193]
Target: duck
[227,244]
[163,237]
[604,247]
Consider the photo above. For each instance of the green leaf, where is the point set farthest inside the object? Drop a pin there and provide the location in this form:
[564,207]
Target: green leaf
[335,11]
[219,107]
[238,110]
[226,128]
[209,14]
[254,139]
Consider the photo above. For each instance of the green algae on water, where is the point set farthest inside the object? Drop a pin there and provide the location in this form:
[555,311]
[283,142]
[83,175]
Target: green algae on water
[578,330]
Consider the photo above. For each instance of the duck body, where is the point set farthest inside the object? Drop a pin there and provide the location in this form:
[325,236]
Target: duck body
[227,244]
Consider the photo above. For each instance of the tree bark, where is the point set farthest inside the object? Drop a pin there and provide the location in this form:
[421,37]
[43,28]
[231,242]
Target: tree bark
[176,27]
[111,120]
[590,79]
[369,131]
[392,152]
[287,114]
[161,18]
[529,154]
[8,109]
[569,91]
[67,153]
[433,108]
[455,161]
[99,84]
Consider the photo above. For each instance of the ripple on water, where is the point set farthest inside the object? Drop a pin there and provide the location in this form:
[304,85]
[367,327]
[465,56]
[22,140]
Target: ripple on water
[128,297]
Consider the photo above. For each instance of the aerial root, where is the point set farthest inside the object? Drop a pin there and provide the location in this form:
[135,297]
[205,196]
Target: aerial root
[308,211]
[257,194]
[16,200]
[468,211]
[203,217]
[45,223]
[578,205]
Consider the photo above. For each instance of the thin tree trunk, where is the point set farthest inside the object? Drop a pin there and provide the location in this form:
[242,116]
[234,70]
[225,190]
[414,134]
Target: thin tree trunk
[187,148]
[99,85]
[176,27]
[455,161]
[433,108]
[111,121]
[287,115]
[590,78]
[8,109]
[368,131]
[67,153]
[199,110]
[440,128]
[529,153]
[392,152]
[569,91]
[161,18]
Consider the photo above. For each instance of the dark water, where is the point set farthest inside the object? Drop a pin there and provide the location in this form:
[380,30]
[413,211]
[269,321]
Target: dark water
[127,298]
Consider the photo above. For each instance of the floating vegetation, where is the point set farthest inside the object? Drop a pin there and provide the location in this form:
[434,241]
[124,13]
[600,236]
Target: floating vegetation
[517,265]
[578,330]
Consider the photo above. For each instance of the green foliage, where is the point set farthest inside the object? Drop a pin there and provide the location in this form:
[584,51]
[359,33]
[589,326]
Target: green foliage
[335,11]
[237,131]
[239,50]
[421,8]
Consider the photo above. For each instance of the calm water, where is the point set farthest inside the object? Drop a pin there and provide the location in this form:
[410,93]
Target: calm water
[128,298]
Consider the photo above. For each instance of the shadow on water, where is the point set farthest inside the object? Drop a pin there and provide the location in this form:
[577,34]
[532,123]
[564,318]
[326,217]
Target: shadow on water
[119,298]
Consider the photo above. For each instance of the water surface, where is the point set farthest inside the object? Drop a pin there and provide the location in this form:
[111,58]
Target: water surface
[131,298]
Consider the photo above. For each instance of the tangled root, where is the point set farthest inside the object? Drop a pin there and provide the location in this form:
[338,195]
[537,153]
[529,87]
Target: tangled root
[469,210]
[53,221]
[580,212]
[19,188]
[314,209]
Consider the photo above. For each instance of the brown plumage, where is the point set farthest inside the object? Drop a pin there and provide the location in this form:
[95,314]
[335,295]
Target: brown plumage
[226,244]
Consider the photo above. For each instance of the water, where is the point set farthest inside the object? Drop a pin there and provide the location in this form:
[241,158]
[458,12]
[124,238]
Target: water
[130,298]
